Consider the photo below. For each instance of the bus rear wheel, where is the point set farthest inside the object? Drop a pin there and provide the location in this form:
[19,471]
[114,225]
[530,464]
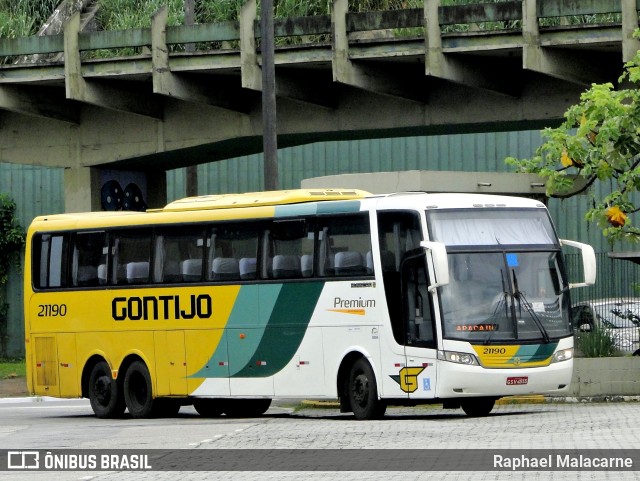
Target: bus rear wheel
[104,393]
[363,393]
[138,393]
[477,407]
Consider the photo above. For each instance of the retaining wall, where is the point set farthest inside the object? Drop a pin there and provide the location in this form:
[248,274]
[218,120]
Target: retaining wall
[605,376]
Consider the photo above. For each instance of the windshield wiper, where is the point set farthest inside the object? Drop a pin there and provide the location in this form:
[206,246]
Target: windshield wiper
[503,300]
[517,294]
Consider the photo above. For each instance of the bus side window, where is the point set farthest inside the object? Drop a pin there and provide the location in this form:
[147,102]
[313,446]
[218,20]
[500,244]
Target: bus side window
[289,249]
[344,243]
[233,251]
[50,252]
[89,259]
[178,257]
[131,256]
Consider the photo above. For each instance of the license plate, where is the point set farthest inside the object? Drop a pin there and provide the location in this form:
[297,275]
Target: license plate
[516,381]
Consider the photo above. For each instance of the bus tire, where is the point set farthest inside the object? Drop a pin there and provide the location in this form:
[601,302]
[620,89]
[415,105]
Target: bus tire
[104,393]
[138,391]
[363,393]
[246,408]
[208,408]
[477,407]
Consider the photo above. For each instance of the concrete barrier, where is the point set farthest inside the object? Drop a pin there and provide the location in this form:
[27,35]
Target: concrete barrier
[605,376]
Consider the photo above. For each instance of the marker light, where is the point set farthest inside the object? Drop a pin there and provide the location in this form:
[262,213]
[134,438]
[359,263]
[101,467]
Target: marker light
[563,355]
[458,357]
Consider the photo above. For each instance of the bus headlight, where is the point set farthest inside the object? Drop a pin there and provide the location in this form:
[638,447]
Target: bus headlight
[458,357]
[563,355]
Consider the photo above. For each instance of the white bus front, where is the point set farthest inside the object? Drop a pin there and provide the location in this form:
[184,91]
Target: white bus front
[502,315]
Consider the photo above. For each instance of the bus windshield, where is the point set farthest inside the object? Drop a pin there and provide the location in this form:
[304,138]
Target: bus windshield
[505,297]
[511,289]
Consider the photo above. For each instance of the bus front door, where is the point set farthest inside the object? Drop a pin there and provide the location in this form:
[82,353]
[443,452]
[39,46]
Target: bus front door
[420,341]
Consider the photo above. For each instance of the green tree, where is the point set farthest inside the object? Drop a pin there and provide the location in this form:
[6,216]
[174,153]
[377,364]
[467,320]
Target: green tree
[11,242]
[599,141]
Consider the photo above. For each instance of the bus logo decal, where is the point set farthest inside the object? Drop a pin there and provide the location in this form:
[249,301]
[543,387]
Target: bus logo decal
[408,379]
[165,307]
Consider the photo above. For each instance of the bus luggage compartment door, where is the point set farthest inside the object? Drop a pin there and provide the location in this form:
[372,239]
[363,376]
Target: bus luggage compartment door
[45,364]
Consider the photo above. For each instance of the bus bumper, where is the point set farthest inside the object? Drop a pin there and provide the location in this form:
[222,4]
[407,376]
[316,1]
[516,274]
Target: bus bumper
[457,380]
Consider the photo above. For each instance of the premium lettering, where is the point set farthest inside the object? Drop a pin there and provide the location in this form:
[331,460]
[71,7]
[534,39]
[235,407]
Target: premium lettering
[339,303]
[155,308]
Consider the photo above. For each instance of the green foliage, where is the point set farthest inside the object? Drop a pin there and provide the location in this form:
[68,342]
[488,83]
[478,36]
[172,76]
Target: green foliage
[596,343]
[597,142]
[20,18]
[11,242]
[11,237]
[126,14]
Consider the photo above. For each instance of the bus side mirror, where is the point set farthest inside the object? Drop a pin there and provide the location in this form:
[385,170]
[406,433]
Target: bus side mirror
[588,262]
[440,263]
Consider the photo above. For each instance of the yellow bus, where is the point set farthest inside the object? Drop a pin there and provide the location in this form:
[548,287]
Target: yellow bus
[225,302]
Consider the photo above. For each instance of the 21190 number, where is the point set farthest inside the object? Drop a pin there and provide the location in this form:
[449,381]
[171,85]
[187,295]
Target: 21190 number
[52,310]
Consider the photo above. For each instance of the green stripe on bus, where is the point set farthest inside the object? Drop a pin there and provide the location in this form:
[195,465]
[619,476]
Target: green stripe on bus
[285,330]
[244,330]
[536,352]
[313,208]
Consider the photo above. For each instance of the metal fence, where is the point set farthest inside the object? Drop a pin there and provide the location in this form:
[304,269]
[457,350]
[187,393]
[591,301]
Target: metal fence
[606,316]
[616,278]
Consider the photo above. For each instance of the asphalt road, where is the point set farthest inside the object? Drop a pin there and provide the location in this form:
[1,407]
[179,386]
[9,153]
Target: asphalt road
[58,424]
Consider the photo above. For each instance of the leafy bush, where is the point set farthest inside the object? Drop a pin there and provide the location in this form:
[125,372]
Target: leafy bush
[596,343]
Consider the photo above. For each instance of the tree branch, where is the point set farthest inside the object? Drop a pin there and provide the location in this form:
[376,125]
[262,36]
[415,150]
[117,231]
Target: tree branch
[591,180]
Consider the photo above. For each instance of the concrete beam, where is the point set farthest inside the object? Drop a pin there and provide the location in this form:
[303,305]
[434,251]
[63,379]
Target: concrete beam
[249,67]
[294,86]
[568,65]
[181,87]
[100,94]
[630,44]
[363,76]
[37,102]
[463,72]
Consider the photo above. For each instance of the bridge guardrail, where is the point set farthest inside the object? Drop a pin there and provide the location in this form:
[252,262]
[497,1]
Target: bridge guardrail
[498,18]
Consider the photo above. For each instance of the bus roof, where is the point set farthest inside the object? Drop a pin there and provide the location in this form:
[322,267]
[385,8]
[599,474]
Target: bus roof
[254,199]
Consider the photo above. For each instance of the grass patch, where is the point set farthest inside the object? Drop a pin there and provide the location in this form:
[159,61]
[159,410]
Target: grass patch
[12,368]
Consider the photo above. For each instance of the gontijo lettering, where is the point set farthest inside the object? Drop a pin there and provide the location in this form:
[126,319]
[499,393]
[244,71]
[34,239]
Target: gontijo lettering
[161,307]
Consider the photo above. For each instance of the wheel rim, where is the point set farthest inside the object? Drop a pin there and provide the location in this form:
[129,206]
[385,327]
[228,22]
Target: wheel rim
[102,390]
[360,389]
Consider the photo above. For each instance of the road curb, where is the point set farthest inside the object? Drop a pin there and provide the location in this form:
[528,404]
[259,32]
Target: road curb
[30,399]
[506,401]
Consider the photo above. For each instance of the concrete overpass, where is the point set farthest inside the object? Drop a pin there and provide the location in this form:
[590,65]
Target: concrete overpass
[437,69]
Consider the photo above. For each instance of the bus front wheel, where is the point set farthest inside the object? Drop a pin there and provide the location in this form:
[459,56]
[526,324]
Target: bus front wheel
[138,391]
[104,394]
[363,393]
[477,407]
